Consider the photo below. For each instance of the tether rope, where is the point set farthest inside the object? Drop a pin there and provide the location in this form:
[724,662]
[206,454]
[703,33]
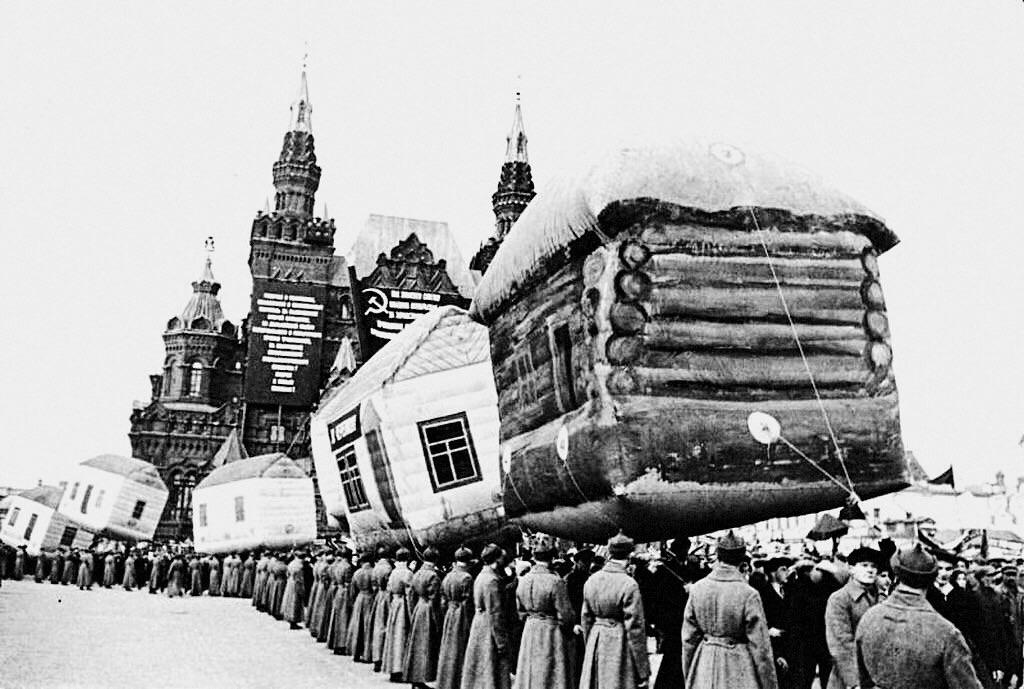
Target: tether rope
[807,366]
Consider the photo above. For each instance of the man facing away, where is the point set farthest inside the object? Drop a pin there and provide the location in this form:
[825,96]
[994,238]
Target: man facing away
[725,636]
[903,643]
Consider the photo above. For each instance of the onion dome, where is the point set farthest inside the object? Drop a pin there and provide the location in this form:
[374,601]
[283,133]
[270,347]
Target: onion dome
[203,311]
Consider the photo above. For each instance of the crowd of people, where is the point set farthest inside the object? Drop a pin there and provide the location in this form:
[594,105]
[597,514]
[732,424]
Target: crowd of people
[542,618]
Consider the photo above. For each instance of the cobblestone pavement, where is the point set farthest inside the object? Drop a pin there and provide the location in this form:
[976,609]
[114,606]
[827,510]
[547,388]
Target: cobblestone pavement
[58,636]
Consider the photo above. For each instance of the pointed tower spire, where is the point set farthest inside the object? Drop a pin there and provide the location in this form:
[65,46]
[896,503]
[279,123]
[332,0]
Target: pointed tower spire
[302,109]
[515,148]
[296,174]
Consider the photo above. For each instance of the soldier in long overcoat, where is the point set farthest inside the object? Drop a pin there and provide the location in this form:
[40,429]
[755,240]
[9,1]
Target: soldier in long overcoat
[294,592]
[71,568]
[195,568]
[41,562]
[248,576]
[57,568]
[360,624]
[487,664]
[843,611]
[1015,598]
[725,636]
[21,555]
[316,594]
[279,571]
[176,577]
[613,624]
[322,615]
[109,571]
[457,604]
[341,606]
[542,599]
[85,571]
[215,576]
[129,572]
[402,600]
[903,643]
[260,579]
[425,626]
[381,574]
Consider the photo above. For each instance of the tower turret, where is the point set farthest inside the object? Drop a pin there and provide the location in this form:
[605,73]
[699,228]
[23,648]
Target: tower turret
[200,344]
[514,193]
[296,174]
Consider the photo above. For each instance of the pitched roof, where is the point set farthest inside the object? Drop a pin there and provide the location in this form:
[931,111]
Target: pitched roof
[45,495]
[274,465]
[439,340]
[384,232]
[706,177]
[135,469]
[231,450]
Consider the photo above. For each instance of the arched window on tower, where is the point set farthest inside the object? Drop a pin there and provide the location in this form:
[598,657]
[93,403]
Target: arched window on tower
[195,379]
[168,375]
[346,308]
[181,496]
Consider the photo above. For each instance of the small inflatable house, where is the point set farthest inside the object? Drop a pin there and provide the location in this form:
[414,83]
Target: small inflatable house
[408,447]
[32,520]
[261,502]
[642,311]
[119,497]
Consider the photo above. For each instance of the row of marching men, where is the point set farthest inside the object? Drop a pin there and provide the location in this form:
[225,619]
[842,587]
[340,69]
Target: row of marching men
[460,629]
[176,572]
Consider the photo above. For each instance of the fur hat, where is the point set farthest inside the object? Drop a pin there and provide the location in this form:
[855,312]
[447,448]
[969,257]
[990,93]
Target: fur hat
[680,547]
[915,561]
[863,554]
[731,543]
[463,554]
[620,546]
[402,554]
[490,554]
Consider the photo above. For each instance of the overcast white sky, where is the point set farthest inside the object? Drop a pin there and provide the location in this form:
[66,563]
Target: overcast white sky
[129,132]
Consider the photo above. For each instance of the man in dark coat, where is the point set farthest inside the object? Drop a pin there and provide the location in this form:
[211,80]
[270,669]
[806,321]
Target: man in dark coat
[843,612]
[1015,599]
[458,607]
[574,581]
[994,630]
[665,612]
[57,570]
[776,613]
[811,587]
[903,643]
[487,662]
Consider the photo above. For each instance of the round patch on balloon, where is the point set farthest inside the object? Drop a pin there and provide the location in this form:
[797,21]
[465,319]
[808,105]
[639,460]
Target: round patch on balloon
[727,153]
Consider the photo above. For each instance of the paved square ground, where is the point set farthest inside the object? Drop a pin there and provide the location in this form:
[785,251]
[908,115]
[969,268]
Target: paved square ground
[58,636]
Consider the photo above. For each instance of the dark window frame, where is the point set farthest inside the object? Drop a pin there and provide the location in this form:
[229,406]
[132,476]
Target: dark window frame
[352,485]
[85,498]
[31,526]
[14,516]
[140,506]
[68,537]
[429,457]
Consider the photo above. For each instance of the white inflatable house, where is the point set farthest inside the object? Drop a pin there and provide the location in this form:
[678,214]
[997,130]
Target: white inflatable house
[119,497]
[31,519]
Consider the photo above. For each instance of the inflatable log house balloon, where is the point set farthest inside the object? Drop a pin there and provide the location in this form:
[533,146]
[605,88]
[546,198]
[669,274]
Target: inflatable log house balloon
[406,450]
[642,314]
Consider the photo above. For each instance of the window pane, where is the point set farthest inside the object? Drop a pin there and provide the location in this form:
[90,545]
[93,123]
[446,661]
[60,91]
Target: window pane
[31,525]
[443,431]
[443,470]
[68,537]
[463,464]
[14,516]
[239,509]
[140,505]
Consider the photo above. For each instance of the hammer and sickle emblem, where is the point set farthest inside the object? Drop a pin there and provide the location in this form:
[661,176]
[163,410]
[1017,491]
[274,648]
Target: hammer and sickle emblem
[377,301]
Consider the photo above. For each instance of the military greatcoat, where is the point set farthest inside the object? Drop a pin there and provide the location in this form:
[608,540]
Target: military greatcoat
[402,600]
[842,615]
[488,652]
[248,577]
[341,607]
[360,624]
[457,603]
[314,612]
[612,618]
[545,653]
[294,591]
[725,636]
[903,643]
[425,627]
[381,574]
